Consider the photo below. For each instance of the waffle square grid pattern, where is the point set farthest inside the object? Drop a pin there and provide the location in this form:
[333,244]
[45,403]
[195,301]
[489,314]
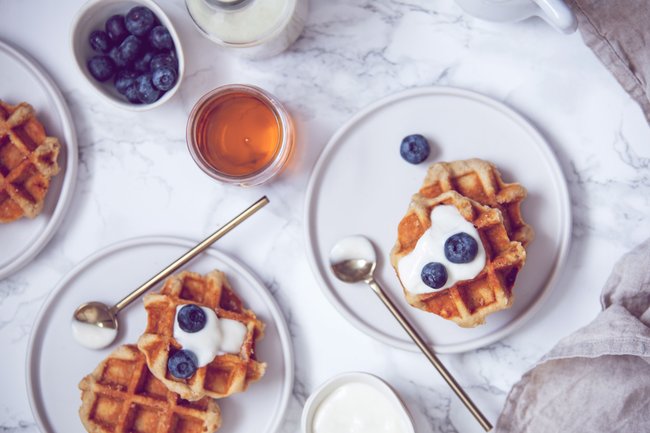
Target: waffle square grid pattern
[227,373]
[476,189]
[122,396]
[28,160]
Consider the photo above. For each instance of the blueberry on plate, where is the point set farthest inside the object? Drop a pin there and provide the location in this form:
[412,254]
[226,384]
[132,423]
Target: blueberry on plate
[182,364]
[101,67]
[116,29]
[164,78]
[147,93]
[142,64]
[131,93]
[461,248]
[414,148]
[162,60]
[130,49]
[191,318]
[434,275]
[99,41]
[124,79]
[139,20]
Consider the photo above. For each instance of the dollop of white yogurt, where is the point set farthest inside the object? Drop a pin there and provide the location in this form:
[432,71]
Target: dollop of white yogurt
[92,336]
[217,337]
[358,408]
[445,222]
[352,247]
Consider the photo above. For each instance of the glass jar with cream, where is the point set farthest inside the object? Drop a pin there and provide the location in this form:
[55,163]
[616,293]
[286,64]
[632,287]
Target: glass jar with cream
[253,28]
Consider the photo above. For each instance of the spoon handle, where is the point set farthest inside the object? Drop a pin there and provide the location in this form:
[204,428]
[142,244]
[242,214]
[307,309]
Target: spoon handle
[430,355]
[199,248]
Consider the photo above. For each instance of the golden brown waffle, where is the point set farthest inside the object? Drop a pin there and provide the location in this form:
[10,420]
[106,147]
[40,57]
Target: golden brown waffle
[122,396]
[27,162]
[227,373]
[467,302]
[480,180]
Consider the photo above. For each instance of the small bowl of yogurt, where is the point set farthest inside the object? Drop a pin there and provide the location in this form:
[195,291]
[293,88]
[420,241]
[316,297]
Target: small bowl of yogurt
[355,402]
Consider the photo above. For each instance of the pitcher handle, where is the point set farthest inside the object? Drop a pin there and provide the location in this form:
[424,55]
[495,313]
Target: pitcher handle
[558,14]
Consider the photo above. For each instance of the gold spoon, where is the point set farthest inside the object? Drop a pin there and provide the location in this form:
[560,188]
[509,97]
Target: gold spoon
[353,260]
[105,317]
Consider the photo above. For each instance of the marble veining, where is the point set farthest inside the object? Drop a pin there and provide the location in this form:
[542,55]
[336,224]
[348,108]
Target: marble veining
[137,178]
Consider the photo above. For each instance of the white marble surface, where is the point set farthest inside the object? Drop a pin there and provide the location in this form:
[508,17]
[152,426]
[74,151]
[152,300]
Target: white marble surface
[136,178]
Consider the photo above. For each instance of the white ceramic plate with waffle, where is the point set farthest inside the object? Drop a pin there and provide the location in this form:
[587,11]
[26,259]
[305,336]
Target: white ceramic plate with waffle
[56,363]
[22,79]
[361,185]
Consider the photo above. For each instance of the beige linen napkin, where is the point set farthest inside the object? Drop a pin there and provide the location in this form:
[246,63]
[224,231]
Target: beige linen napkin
[598,379]
[618,32]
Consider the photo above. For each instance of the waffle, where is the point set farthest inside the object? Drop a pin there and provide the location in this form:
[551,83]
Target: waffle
[227,373]
[122,396]
[469,301]
[27,162]
[480,180]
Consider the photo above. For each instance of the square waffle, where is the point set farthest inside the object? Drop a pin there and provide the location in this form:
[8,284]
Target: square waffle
[122,396]
[481,181]
[466,302]
[27,162]
[227,373]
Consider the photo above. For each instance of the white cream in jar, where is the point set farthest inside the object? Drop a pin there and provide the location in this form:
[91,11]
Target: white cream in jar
[258,28]
[357,407]
[218,336]
[445,222]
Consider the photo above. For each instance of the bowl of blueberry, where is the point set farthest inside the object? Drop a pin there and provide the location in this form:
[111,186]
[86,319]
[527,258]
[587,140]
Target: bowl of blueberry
[129,51]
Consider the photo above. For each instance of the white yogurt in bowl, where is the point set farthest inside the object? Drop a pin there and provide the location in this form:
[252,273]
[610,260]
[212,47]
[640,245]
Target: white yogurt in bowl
[355,403]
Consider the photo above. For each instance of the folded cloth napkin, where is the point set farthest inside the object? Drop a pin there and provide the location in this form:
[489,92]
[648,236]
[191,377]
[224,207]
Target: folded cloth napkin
[618,33]
[598,379]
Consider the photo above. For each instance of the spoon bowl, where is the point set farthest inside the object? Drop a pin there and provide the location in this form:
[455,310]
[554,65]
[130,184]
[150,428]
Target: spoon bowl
[354,270]
[96,313]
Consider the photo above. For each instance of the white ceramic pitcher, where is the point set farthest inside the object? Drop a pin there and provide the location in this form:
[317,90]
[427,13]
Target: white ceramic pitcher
[554,12]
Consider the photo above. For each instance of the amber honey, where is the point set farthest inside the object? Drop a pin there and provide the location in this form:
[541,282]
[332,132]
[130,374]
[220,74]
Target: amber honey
[238,132]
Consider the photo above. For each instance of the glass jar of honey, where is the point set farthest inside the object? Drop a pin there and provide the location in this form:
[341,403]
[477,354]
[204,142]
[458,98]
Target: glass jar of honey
[240,134]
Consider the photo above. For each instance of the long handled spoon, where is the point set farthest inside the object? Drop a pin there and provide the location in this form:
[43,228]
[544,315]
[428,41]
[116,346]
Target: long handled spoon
[95,324]
[353,260]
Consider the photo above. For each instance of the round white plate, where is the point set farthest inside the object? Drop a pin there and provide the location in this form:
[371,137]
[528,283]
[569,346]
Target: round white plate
[361,185]
[56,363]
[22,79]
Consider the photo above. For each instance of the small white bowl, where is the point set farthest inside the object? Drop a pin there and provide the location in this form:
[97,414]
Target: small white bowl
[93,16]
[323,391]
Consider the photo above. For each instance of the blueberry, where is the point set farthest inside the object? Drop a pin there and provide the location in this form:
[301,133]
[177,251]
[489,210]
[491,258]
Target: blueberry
[123,79]
[162,60]
[182,364]
[140,20]
[160,38]
[115,55]
[131,93]
[101,67]
[414,148]
[191,318]
[142,64]
[99,41]
[461,248]
[130,49]
[164,78]
[147,93]
[116,29]
[434,275]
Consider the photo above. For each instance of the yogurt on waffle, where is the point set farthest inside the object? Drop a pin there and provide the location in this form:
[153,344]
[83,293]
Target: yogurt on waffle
[218,336]
[446,221]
